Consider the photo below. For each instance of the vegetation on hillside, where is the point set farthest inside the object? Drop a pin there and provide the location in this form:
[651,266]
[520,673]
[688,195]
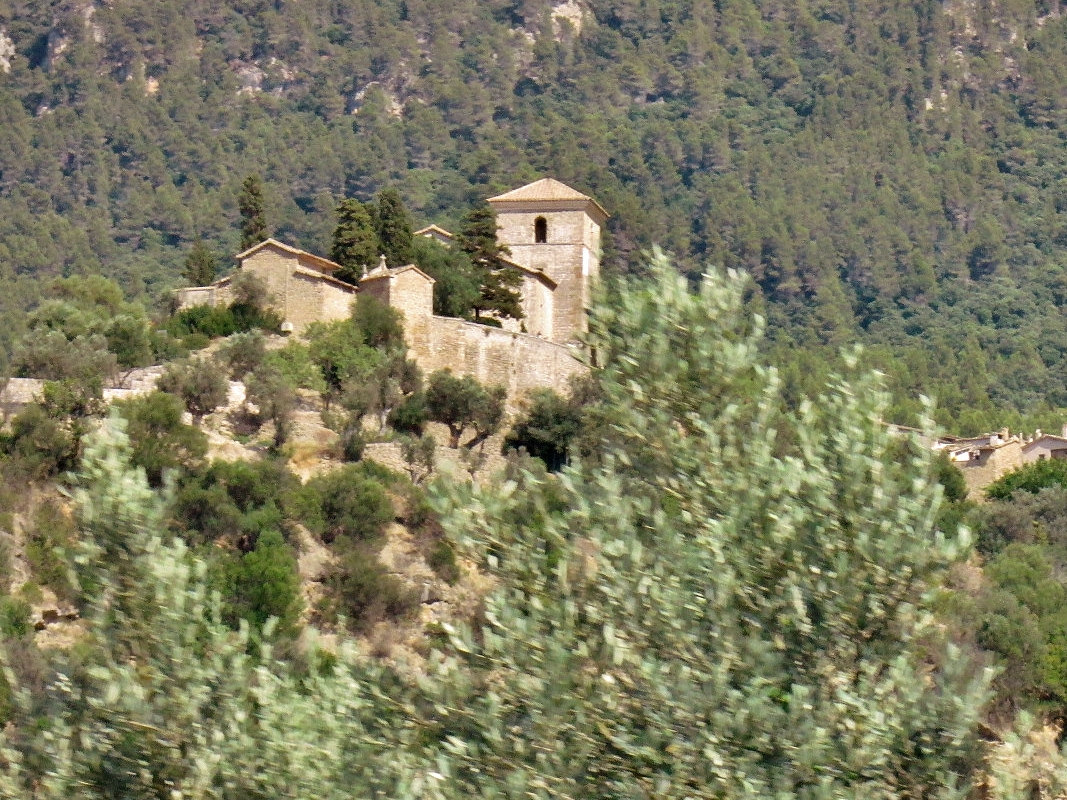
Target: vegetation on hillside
[888,173]
[727,597]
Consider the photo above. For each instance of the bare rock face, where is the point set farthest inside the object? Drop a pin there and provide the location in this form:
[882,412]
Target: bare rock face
[251,78]
[7,51]
[569,12]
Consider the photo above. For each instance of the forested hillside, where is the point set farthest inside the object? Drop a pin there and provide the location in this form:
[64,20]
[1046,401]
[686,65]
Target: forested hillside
[890,173]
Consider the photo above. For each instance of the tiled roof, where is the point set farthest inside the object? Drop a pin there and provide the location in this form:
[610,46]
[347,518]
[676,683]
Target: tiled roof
[320,262]
[545,190]
[435,231]
[384,272]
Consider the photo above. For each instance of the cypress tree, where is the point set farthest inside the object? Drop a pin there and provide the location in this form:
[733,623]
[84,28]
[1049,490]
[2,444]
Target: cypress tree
[498,281]
[253,216]
[200,265]
[355,245]
[394,228]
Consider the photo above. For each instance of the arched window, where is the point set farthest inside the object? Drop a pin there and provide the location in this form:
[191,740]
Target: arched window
[540,230]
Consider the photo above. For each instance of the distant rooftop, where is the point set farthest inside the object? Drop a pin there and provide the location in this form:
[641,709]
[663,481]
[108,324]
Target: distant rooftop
[546,190]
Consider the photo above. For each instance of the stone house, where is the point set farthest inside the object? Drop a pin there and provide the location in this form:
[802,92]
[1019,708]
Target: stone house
[983,459]
[300,285]
[1045,445]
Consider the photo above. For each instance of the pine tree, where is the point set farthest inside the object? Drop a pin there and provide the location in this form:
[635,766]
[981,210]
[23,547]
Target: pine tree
[200,265]
[355,245]
[394,228]
[498,281]
[730,600]
[253,215]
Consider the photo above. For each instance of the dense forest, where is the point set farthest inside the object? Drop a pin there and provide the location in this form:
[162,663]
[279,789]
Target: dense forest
[890,174]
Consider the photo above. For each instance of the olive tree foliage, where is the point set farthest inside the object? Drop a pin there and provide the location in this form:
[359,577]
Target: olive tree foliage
[709,608]
[165,701]
[200,383]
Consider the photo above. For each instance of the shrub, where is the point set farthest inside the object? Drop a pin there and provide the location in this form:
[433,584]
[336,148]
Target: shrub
[40,445]
[346,504]
[442,560]
[379,323]
[365,593]
[1030,478]
[264,583]
[200,383]
[14,618]
[51,533]
[159,439]
[547,429]
[410,415]
[209,321]
[352,444]
[243,353]
[295,363]
[269,390]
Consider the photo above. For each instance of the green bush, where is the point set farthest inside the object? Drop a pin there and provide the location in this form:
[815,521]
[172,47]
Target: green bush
[200,383]
[294,362]
[218,321]
[346,504]
[235,501]
[210,321]
[264,583]
[442,560]
[40,446]
[364,592]
[352,444]
[52,533]
[243,353]
[160,440]
[411,415]
[14,618]
[547,429]
[1030,478]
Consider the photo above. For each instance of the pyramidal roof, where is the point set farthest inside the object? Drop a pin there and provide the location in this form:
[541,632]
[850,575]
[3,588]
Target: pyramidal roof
[546,190]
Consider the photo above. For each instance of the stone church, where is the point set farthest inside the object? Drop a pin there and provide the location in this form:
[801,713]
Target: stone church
[553,234]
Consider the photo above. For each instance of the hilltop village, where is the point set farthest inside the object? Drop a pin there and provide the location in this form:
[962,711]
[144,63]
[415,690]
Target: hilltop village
[553,235]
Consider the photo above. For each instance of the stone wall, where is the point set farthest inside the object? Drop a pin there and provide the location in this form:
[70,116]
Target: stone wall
[519,362]
[313,298]
[196,296]
[990,465]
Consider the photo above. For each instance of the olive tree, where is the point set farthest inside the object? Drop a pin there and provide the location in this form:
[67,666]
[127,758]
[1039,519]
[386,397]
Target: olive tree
[731,599]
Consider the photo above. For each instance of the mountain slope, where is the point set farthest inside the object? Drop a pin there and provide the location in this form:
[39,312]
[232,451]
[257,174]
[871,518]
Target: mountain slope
[889,173]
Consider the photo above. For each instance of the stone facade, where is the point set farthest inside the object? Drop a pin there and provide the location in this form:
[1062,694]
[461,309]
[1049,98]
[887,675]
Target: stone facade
[517,361]
[410,291]
[983,459]
[300,286]
[1044,446]
[553,229]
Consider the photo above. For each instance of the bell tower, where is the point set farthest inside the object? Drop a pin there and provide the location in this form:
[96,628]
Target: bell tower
[550,227]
